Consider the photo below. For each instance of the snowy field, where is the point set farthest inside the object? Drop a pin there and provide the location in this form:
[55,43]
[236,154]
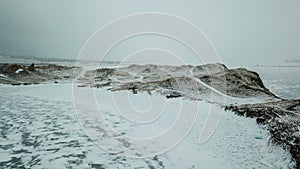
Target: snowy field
[40,129]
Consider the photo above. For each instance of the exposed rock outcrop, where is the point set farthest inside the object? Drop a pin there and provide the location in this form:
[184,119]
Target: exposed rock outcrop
[31,67]
[185,79]
[239,82]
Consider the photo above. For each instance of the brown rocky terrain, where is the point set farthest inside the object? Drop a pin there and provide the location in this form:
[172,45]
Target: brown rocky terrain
[17,74]
[182,80]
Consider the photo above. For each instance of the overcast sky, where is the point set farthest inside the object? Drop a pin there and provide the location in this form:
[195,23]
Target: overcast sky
[243,32]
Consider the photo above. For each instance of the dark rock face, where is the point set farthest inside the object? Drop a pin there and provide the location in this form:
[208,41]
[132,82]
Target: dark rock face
[173,95]
[280,118]
[31,67]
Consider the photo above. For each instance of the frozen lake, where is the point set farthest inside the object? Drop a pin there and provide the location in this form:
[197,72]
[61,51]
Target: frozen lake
[40,129]
[283,81]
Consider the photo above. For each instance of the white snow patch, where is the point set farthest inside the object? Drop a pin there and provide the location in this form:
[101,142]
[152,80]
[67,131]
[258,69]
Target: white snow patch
[19,70]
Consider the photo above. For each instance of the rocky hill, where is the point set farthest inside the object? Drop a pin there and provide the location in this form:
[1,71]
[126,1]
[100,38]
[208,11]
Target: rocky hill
[185,80]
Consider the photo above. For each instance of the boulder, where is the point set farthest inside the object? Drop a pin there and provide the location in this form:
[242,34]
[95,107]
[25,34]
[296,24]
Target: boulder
[31,67]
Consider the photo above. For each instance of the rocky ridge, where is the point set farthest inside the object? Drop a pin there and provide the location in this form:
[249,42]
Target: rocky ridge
[182,80]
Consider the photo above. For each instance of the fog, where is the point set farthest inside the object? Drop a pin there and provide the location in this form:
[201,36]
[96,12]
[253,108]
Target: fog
[243,32]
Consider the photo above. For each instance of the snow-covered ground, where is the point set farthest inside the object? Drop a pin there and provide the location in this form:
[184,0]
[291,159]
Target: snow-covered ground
[40,129]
